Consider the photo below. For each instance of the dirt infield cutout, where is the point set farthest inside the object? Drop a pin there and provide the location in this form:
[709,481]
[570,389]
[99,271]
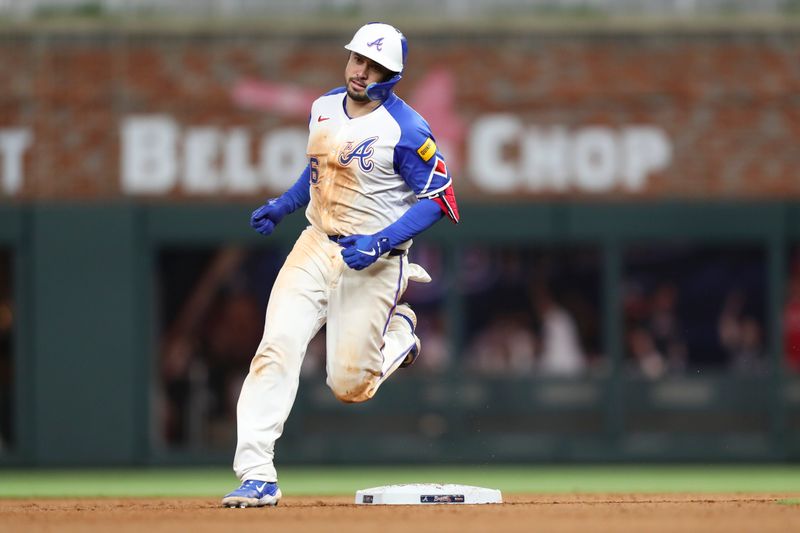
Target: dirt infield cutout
[536,512]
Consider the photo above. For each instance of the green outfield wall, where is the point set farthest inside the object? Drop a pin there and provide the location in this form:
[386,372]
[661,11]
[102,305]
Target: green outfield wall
[85,348]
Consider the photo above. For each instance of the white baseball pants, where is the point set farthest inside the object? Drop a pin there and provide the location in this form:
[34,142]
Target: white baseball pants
[365,342]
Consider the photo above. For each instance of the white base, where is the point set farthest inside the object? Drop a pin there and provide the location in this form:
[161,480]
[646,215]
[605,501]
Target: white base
[427,493]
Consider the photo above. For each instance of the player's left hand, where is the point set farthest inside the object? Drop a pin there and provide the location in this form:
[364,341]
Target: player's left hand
[360,251]
[265,218]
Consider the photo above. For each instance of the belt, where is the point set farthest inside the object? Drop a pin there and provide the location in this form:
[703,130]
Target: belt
[393,252]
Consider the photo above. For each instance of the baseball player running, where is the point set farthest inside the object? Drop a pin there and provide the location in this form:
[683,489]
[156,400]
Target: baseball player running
[375,179]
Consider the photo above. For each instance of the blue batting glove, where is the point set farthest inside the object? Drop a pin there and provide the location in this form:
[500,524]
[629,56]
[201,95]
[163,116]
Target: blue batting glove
[360,251]
[265,218]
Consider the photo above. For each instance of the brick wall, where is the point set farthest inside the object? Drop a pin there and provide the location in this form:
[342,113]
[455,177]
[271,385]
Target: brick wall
[726,103]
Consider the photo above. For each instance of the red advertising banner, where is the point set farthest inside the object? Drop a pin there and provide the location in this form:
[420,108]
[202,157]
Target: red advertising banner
[206,115]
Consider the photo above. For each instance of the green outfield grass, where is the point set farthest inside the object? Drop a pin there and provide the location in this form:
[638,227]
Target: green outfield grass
[214,482]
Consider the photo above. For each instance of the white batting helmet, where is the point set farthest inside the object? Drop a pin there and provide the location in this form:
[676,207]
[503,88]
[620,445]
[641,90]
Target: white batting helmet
[381,43]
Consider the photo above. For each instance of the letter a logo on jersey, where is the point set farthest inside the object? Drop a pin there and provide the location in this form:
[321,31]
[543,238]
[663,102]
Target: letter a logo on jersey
[363,152]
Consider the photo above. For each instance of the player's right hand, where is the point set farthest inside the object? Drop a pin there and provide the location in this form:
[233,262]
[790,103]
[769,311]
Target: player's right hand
[265,218]
[360,251]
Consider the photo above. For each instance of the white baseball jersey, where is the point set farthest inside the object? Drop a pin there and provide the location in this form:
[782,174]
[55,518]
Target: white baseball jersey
[367,171]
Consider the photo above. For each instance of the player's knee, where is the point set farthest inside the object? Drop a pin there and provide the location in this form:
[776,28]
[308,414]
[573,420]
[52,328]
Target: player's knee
[270,357]
[264,362]
[351,386]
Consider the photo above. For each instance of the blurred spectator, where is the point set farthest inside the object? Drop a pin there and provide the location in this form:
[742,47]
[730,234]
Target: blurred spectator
[665,326]
[791,321]
[507,345]
[640,345]
[560,352]
[749,356]
[655,335]
[649,361]
[740,335]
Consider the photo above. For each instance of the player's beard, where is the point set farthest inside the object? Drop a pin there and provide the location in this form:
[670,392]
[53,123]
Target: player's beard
[358,97]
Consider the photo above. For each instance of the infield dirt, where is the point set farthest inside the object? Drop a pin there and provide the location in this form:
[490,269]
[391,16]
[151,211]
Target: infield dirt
[596,512]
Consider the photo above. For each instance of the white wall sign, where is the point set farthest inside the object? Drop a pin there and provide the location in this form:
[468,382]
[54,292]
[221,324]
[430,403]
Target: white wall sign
[159,155]
[13,143]
[505,155]
[591,159]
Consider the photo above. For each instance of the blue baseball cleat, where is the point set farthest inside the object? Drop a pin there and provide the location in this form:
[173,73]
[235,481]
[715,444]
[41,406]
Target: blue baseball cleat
[404,311]
[253,493]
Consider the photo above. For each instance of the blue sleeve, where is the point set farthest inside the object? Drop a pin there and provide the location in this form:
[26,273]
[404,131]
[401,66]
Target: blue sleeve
[417,219]
[298,194]
[416,157]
